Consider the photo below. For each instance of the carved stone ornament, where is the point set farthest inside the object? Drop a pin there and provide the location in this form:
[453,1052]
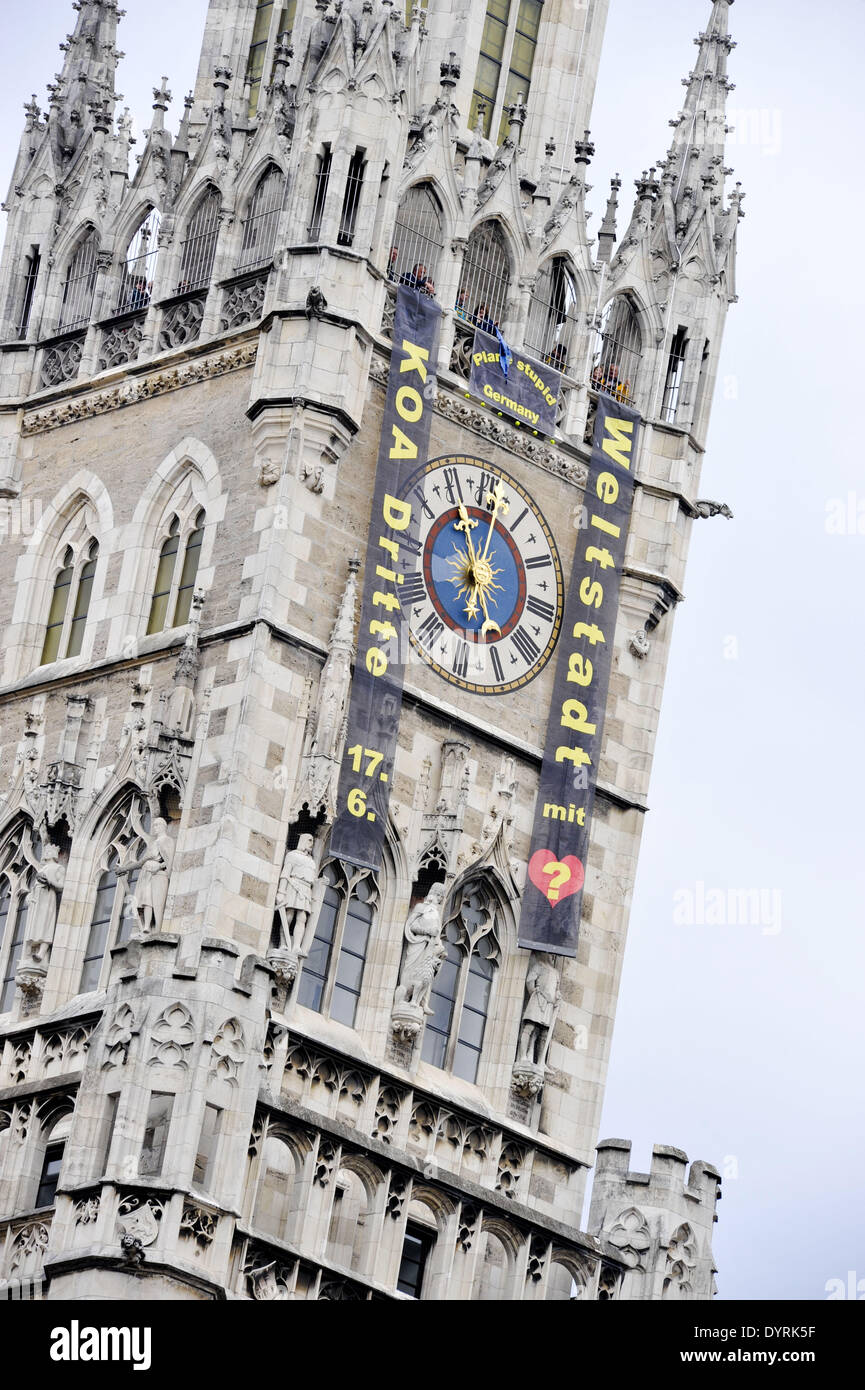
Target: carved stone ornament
[182,323]
[423,958]
[138,1218]
[269,473]
[62,362]
[639,644]
[120,344]
[141,389]
[243,304]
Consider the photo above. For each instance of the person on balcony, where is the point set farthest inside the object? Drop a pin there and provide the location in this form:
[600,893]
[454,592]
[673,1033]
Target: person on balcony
[484,320]
[418,279]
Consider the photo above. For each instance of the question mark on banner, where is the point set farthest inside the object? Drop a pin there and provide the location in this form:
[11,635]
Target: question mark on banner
[559,876]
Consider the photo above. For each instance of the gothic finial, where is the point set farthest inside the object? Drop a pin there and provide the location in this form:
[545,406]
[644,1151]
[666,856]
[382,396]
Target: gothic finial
[607,234]
[450,71]
[161,96]
[584,150]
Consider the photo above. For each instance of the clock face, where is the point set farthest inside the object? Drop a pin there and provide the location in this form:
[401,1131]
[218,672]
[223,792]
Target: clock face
[485,606]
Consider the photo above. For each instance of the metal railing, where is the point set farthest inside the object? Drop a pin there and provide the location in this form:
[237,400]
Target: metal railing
[198,251]
[418,239]
[80,284]
[136,282]
[262,220]
[486,279]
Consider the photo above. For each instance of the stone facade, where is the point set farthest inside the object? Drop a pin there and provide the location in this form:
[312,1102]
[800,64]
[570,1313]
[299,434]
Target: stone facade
[177,1084]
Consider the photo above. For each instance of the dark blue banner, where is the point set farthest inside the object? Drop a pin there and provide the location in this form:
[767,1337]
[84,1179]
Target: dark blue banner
[366,776]
[550,919]
[515,385]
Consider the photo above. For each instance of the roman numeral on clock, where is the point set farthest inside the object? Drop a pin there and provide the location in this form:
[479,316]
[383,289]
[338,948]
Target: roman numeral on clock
[461,660]
[412,592]
[453,485]
[496,660]
[430,630]
[540,609]
[540,562]
[526,646]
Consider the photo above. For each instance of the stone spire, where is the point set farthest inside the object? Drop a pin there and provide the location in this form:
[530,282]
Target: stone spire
[86,83]
[607,234]
[696,156]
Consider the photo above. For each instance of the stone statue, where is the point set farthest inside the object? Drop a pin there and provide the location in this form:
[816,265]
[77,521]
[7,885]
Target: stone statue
[426,951]
[539,1015]
[294,894]
[154,865]
[43,902]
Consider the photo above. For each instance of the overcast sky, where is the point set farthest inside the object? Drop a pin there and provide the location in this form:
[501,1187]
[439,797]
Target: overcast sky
[742,1045]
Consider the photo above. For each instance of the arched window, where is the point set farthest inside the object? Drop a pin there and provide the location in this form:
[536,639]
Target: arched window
[486,278]
[80,284]
[139,265]
[52,1162]
[617,358]
[508,43]
[175,578]
[418,238]
[333,970]
[491,1278]
[418,1244]
[111,923]
[262,219]
[32,265]
[562,1284]
[273,1198]
[198,251]
[552,322]
[348,1217]
[16,871]
[70,602]
[460,999]
[271,20]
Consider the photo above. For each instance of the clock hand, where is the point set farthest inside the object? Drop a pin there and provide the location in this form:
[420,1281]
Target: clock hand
[496,500]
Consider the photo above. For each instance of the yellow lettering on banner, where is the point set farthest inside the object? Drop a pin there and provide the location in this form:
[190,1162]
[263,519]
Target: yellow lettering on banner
[607,488]
[619,447]
[388,601]
[578,756]
[385,630]
[580,669]
[409,404]
[416,360]
[592,593]
[403,447]
[603,557]
[590,631]
[390,546]
[607,526]
[575,716]
[397,515]
[376,662]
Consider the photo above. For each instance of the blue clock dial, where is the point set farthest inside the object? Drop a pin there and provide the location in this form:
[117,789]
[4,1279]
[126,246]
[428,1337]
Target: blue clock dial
[485,600]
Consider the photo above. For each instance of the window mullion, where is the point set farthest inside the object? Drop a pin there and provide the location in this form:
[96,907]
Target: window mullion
[68,616]
[456,1017]
[335,950]
[507,54]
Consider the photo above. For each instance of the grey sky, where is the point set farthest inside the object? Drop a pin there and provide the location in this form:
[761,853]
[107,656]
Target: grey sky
[742,1044]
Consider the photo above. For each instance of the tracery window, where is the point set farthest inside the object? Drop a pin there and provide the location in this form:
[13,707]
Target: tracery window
[80,284]
[418,238]
[32,265]
[508,44]
[139,266]
[179,561]
[486,278]
[70,600]
[198,251]
[552,323]
[333,971]
[262,219]
[619,349]
[111,921]
[675,373]
[351,201]
[16,873]
[460,998]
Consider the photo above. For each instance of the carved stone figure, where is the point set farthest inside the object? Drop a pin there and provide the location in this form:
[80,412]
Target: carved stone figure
[155,864]
[43,902]
[539,1015]
[294,894]
[426,951]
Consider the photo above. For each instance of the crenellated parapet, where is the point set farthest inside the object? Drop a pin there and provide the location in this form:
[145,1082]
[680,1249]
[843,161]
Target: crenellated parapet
[661,1222]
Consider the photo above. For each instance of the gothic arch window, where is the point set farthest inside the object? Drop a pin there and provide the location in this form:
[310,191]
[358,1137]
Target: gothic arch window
[111,921]
[418,237]
[271,20]
[16,872]
[460,999]
[419,1243]
[29,278]
[552,323]
[139,266]
[74,573]
[508,45]
[492,1271]
[619,350]
[51,1153]
[483,293]
[351,198]
[80,284]
[198,250]
[262,219]
[349,1215]
[273,1198]
[333,971]
[564,1282]
[177,571]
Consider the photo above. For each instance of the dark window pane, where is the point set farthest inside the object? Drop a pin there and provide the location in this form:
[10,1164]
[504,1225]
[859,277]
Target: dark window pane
[415,1253]
[50,1175]
[472,1026]
[343,1006]
[349,972]
[466,1062]
[56,615]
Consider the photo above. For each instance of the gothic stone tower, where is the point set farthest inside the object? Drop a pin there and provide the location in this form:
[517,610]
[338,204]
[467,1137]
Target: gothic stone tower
[205,1093]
